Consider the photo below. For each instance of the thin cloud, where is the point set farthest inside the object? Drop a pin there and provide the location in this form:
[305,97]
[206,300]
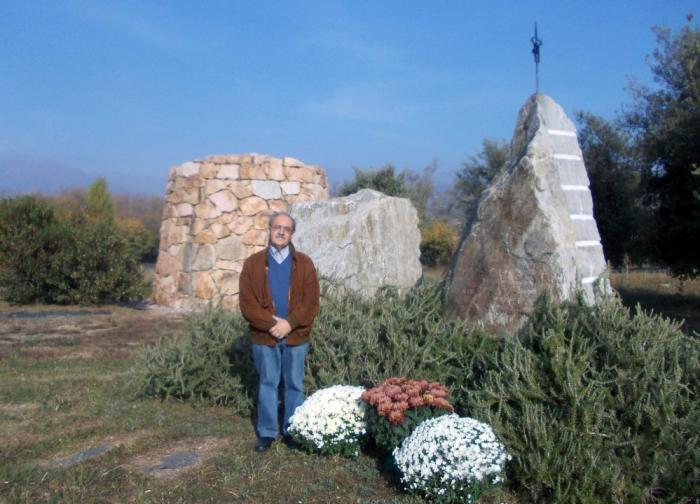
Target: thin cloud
[398,102]
[145,25]
[367,102]
[349,46]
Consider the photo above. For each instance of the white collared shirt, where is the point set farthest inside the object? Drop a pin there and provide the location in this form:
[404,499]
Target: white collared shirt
[279,255]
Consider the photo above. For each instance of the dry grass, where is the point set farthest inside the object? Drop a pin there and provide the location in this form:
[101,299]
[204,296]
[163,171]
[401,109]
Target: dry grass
[66,386]
[654,281]
[658,292]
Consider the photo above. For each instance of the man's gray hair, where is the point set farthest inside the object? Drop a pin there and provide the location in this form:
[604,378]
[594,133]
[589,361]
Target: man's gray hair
[277,214]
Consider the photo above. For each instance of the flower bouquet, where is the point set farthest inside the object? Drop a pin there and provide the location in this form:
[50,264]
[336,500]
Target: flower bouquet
[399,405]
[330,421]
[451,459]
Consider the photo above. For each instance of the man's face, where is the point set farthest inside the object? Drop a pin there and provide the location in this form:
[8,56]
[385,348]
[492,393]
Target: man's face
[281,231]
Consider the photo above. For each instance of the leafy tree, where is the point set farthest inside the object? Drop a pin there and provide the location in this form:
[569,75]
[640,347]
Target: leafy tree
[96,265]
[421,190]
[438,241]
[142,243]
[417,186]
[383,179]
[44,258]
[69,204]
[99,204]
[138,218]
[613,169]
[29,239]
[666,122]
[476,174]
[147,209]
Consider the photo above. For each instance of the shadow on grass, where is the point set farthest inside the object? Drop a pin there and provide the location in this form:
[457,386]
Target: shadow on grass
[672,305]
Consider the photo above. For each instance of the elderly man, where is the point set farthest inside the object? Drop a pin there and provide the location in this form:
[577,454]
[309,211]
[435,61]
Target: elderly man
[279,297]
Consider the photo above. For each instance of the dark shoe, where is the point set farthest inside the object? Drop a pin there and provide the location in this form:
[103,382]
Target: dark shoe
[263,444]
[289,441]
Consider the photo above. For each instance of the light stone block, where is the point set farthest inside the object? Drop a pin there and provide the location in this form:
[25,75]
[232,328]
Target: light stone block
[224,201]
[226,282]
[267,189]
[252,171]
[253,205]
[223,159]
[183,210]
[204,258]
[292,162]
[290,187]
[220,230]
[228,172]
[188,169]
[241,225]
[207,170]
[242,189]
[204,286]
[214,186]
[229,265]
[206,236]
[301,174]
[275,169]
[255,237]
[206,211]
[278,205]
[230,249]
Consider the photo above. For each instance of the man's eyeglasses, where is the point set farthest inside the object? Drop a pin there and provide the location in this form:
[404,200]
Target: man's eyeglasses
[278,228]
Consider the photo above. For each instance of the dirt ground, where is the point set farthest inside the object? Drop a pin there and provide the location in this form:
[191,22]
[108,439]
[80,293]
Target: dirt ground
[53,332]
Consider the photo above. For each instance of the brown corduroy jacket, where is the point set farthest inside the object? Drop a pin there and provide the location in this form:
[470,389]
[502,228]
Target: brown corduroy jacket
[256,304]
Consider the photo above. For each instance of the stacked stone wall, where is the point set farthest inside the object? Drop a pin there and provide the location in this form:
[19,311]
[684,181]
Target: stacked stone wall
[215,216]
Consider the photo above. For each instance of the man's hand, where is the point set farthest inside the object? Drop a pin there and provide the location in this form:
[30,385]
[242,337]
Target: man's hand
[281,328]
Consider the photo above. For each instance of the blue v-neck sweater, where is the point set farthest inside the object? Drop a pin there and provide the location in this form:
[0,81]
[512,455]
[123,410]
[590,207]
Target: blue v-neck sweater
[279,277]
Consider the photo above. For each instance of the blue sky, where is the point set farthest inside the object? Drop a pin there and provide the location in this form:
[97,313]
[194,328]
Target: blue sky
[130,88]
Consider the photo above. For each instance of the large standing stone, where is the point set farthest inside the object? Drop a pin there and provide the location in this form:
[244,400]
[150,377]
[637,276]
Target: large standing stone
[534,230]
[364,241]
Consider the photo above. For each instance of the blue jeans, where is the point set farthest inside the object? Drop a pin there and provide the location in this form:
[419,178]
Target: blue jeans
[283,361]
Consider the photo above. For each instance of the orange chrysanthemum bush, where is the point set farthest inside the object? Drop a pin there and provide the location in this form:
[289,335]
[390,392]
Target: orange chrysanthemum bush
[399,405]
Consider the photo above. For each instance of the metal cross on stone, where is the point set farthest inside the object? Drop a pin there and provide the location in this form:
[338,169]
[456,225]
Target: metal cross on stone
[536,43]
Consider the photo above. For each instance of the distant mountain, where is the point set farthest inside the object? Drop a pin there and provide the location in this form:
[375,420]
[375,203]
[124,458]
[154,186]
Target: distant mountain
[137,184]
[22,174]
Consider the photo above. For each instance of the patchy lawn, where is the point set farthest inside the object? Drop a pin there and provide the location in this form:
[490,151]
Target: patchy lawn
[74,429]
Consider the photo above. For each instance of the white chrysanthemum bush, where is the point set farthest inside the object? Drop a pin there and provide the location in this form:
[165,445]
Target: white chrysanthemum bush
[331,421]
[451,459]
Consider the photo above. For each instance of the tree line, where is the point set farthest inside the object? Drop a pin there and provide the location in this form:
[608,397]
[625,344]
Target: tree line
[80,246]
[643,166]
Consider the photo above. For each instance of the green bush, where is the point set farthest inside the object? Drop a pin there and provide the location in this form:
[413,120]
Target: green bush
[356,341]
[597,405]
[210,363]
[49,260]
[438,241]
[30,236]
[141,241]
[363,341]
[594,404]
[95,265]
